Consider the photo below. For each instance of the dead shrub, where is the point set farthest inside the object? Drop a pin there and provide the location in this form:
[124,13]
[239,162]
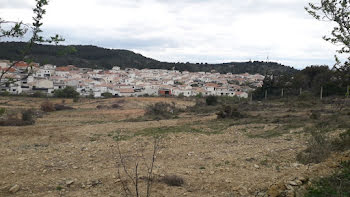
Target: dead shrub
[343,142]
[116,106]
[173,180]
[229,112]
[24,118]
[315,115]
[59,107]
[121,101]
[201,107]
[47,106]
[101,106]
[161,110]
[317,151]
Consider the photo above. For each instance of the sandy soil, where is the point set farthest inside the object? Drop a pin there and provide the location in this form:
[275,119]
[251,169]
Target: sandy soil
[73,153]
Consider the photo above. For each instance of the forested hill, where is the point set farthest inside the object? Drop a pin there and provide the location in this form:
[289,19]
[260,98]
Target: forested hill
[96,57]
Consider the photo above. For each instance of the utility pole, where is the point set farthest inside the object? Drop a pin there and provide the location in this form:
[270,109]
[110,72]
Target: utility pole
[282,92]
[321,93]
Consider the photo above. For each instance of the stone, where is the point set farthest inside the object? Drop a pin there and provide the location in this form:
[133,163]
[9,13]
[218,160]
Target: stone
[290,193]
[212,172]
[293,183]
[14,189]
[300,192]
[289,187]
[275,190]
[302,179]
[256,166]
[69,182]
[250,159]
[243,191]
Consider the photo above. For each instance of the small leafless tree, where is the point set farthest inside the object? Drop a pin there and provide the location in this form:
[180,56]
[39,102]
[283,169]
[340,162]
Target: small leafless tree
[130,178]
[19,29]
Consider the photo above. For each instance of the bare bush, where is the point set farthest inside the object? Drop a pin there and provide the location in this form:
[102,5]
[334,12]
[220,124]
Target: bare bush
[229,112]
[161,110]
[59,107]
[102,107]
[131,178]
[26,117]
[343,142]
[47,106]
[173,180]
[315,115]
[317,151]
[116,106]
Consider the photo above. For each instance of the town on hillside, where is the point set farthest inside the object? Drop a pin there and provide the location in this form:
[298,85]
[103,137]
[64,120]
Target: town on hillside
[129,82]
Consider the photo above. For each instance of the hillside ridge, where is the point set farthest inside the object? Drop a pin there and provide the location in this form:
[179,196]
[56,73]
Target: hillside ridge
[89,56]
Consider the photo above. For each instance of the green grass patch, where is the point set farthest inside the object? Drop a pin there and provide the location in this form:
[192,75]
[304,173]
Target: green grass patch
[208,128]
[335,185]
[276,132]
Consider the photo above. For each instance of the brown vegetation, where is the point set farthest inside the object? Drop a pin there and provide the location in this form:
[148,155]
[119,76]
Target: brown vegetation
[73,152]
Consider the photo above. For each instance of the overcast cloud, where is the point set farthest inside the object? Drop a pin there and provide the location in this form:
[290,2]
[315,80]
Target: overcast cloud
[211,31]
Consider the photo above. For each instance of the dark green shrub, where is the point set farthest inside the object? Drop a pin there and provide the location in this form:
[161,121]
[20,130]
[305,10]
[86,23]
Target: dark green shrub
[76,99]
[306,96]
[199,95]
[211,100]
[107,95]
[67,92]
[2,111]
[28,116]
[4,93]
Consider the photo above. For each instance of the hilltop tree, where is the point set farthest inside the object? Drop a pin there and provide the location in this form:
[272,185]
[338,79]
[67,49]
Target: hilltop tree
[338,12]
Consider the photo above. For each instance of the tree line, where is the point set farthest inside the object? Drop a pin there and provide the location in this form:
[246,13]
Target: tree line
[311,80]
[95,57]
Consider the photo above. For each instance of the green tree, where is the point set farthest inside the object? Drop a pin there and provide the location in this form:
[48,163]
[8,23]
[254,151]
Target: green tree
[338,12]
[13,29]
[67,92]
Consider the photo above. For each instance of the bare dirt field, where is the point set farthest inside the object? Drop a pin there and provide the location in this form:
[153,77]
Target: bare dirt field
[74,152]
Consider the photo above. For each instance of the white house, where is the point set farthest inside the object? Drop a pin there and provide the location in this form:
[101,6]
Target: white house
[44,85]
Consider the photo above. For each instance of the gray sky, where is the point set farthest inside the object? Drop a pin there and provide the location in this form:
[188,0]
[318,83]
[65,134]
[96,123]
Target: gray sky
[212,31]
